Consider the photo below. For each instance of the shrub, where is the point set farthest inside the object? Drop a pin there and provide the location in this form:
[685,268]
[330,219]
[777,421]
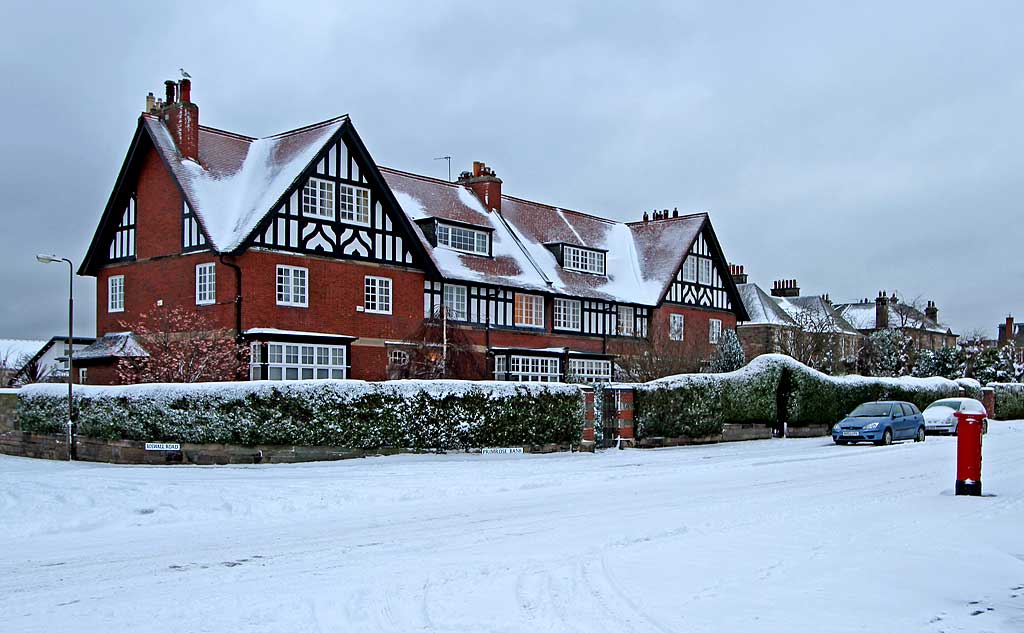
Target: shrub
[1009,400]
[693,405]
[420,415]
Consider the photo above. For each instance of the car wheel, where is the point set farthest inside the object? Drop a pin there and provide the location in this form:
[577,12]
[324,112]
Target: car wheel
[886,438]
[920,435]
[984,426]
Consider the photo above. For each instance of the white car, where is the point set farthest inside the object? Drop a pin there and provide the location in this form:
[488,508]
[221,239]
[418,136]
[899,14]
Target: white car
[940,416]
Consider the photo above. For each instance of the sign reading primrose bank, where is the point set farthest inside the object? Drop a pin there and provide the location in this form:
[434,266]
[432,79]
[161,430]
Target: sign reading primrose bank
[161,446]
[502,451]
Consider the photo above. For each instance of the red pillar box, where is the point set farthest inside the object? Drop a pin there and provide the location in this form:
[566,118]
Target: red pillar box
[968,453]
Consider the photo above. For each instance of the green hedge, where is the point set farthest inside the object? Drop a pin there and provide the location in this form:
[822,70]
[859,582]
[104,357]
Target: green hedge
[1009,400]
[698,405]
[419,415]
[695,405]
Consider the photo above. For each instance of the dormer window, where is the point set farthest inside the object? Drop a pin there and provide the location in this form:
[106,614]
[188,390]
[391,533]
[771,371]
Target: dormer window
[463,239]
[583,260]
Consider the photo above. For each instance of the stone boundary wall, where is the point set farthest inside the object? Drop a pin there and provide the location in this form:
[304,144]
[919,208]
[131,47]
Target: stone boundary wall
[730,433]
[87,449]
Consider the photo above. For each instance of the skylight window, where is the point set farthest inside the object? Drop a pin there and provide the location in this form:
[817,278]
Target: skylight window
[583,260]
[463,239]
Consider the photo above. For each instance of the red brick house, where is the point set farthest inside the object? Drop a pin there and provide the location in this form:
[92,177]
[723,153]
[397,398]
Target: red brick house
[325,262]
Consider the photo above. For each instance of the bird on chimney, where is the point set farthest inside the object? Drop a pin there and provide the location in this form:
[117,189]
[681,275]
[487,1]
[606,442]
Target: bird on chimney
[184,74]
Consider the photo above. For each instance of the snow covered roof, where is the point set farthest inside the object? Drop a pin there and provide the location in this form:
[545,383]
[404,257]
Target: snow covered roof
[862,316]
[114,345]
[13,351]
[821,312]
[238,178]
[641,257]
[762,308]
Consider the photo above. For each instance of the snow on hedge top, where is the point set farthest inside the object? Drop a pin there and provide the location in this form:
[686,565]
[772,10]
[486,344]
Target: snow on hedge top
[345,389]
[239,178]
[772,361]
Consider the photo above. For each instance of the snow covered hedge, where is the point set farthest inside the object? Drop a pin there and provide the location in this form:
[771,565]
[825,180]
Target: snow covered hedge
[1009,400]
[698,405]
[422,415]
[695,405]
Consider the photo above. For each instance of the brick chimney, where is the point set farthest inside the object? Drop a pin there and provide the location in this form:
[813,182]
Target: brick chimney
[738,276]
[881,311]
[180,115]
[785,288]
[1006,331]
[932,311]
[484,183]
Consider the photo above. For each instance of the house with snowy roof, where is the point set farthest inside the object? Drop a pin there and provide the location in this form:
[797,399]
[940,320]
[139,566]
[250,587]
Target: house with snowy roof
[325,262]
[1011,333]
[888,312]
[24,361]
[809,327]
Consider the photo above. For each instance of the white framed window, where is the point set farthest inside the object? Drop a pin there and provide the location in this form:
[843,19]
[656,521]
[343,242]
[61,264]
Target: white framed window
[115,293]
[676,327]
[297,361]
[354,205]
[568,314]
[318,198]
[292,286]
[206,284]
[463,239]
[588,370]
[398,357]
[83,376]
[583,260]
[529,310]
[626,322]
[455,302]
[690,269]
[715,330]
[534,369]
[705,271]
[500,367]
[377,295]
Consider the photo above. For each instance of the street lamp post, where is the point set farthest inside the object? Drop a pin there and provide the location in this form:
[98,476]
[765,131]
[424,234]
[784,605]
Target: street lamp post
[51,259]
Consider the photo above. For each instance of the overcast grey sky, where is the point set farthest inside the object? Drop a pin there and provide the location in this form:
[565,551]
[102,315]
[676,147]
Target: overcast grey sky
[852,146]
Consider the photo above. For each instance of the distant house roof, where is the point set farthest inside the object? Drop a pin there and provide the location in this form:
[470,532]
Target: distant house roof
[112,346]
[862,316]
[822,313]
[763,308]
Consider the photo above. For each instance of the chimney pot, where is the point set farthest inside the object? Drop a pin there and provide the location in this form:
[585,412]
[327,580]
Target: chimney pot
[169,92]
[150,102]
[647,218]
[185,90]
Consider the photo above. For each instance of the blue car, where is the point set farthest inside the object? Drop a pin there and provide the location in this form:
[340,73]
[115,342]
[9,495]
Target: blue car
[882,423]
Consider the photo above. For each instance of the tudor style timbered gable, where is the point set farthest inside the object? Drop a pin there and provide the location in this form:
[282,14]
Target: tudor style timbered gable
[336,210]
[192,237]
[700,280]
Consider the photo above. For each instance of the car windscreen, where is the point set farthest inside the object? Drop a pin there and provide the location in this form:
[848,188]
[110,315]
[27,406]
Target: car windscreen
[952,404]
[871,410]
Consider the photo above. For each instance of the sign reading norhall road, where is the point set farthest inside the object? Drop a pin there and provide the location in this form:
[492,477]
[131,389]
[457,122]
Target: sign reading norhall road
[161,446]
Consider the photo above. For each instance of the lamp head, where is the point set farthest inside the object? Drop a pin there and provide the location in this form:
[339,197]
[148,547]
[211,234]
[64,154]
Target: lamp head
[48,259]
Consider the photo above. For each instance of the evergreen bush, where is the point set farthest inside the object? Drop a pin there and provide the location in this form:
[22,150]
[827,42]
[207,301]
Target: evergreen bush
[419,415]
[1009,400]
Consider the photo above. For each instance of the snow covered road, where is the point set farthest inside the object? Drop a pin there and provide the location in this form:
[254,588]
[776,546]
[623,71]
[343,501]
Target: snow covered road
[780,535]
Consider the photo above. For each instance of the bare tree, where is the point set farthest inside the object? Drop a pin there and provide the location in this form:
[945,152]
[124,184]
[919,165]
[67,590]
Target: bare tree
[437,349]
[818,341]
[183,346]
[642,361]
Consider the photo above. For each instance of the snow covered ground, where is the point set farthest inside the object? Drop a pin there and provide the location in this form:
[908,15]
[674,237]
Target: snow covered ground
[779,535]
